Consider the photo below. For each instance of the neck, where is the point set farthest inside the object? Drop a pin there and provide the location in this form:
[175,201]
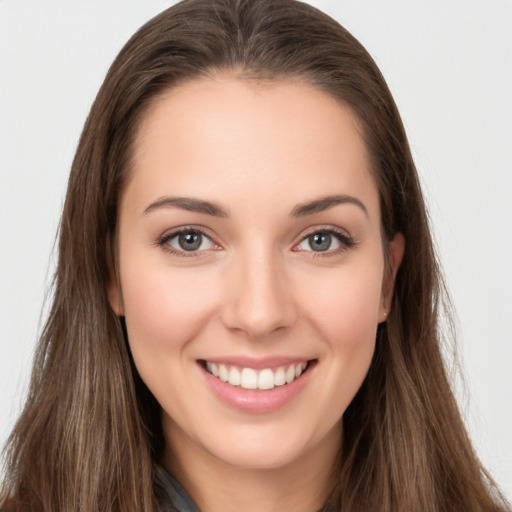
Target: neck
[302,485]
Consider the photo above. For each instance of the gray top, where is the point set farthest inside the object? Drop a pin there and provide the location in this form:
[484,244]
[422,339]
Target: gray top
[171,496]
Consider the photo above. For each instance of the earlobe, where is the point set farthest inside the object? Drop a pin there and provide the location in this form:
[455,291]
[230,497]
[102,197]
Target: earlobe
[395,256]
[114,296]
[113,285]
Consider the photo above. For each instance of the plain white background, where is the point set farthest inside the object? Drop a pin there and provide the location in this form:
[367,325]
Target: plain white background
[449,66]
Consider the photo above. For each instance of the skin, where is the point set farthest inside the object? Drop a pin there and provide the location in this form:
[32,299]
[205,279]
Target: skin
[255,288]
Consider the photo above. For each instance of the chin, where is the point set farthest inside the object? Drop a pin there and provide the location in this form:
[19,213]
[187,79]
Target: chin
[250,449]
[255,458]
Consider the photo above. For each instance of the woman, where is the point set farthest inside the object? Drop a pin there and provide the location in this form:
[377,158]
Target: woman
[247,296]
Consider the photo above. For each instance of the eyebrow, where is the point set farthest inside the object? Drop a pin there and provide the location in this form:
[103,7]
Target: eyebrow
[210,208]
[324,203]
[188,203]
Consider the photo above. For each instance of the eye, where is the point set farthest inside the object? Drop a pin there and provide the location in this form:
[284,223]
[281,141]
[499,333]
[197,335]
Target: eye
[187,241]
[326,240]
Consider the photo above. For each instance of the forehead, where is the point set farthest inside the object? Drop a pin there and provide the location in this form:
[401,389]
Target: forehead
[223,102]
[226,136]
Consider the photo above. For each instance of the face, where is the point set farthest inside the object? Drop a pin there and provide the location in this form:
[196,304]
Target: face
[251,268]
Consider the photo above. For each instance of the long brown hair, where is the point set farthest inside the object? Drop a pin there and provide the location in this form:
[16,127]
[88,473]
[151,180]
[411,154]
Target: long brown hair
[90,431]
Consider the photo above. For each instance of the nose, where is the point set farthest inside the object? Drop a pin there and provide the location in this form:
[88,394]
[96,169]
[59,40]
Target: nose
[259,296]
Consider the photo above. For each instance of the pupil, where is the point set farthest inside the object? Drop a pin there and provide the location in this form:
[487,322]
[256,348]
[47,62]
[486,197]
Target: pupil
[190,241]
[320,242]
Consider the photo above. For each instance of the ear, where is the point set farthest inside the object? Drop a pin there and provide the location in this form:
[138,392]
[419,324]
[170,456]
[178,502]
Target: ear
[115,297]
[113,286]
[395,255]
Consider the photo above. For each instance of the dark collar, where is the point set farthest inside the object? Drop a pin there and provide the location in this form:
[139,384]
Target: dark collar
[170,494]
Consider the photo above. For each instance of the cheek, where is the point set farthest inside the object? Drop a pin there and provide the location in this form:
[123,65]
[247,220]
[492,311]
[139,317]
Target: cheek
[164,308]
[344,311]
[345,307]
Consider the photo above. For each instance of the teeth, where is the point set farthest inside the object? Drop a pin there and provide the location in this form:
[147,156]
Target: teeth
[212,368]
[266,379]
[223,373]
[290,374]
[248,378]
[234,377]
[279,377]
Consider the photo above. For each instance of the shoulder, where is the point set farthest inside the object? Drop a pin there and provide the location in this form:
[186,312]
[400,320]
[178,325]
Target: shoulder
[170,493]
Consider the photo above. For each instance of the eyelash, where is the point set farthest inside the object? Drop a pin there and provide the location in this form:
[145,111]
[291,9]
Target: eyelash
[163,241]
[345,240]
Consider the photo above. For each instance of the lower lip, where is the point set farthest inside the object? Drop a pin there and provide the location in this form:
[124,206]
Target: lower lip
[257,401]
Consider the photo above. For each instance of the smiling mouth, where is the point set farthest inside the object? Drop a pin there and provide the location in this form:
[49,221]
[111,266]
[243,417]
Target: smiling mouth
[264,379]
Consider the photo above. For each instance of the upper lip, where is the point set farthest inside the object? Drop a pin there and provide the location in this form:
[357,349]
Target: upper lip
[257,363]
